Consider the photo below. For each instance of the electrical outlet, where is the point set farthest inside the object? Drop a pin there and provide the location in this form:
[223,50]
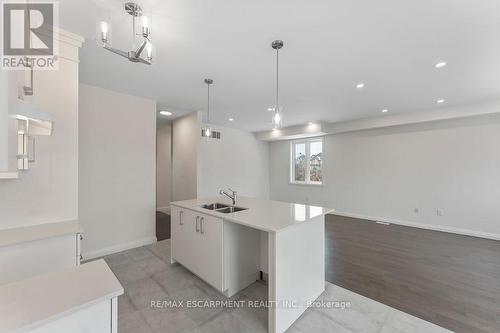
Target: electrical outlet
[439,212]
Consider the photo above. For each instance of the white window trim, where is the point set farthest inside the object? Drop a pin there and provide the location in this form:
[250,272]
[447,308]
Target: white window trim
[291,162]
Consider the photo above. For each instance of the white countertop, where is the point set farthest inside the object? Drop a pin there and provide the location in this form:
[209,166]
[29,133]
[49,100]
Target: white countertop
[266,215]
[35,232]
[31,302]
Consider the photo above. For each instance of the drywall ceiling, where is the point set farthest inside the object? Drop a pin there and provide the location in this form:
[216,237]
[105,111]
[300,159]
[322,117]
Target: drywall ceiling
[330,46]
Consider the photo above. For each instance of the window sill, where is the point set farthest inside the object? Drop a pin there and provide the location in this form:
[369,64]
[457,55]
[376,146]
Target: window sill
[305,184]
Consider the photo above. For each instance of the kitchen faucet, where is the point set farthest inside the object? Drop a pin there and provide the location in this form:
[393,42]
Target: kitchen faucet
[232,197]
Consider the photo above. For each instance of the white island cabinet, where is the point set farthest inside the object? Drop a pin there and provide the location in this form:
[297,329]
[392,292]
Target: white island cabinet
[198,244]
[38,249]
[224,249]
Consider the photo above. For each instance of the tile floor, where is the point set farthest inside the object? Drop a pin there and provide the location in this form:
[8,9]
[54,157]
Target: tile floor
[146,274]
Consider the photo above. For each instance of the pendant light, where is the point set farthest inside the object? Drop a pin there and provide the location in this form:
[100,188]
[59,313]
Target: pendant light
[207,131]
[277,109]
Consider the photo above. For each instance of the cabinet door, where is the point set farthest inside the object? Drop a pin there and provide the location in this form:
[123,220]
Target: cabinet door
[96,318]
[177,233]
[210,249]
[183,236]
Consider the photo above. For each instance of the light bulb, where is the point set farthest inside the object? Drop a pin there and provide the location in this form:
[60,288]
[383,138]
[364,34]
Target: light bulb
[145,26]
[104,31]
[149,51]
[208,132]
[277,118]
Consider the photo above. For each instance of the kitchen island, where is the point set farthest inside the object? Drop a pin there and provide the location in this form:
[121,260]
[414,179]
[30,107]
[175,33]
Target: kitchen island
[228,245]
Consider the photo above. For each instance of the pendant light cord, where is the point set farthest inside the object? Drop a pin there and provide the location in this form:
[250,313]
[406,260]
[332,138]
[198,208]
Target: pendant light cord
[277,78]
[208,103]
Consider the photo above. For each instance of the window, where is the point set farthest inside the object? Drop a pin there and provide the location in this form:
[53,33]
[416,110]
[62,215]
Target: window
[307,162]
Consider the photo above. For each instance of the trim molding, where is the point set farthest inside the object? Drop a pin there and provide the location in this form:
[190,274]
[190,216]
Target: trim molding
[458,231]
[398,119]
[118,248]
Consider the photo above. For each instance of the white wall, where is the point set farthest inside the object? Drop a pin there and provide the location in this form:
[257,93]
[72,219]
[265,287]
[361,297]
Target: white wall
[386,173]
[48,192]
[185,144]
[4,121]
[238,160]
[163,165]
[116,170]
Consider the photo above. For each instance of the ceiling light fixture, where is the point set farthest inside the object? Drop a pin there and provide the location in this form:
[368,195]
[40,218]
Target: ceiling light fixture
[231,119]
[277,119]
[440,64]
[385,110]
[135,11]
[166,113]
[440,101]
[360,85]
[207,131]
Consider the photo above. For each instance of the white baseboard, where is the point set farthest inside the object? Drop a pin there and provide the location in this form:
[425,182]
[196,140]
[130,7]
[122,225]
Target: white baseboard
[459,231]
[118,248]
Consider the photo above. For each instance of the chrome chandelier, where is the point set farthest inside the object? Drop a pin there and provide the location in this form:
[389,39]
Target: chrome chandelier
[135,11]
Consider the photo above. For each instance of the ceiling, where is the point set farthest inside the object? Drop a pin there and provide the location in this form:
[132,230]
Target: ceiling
[330,46]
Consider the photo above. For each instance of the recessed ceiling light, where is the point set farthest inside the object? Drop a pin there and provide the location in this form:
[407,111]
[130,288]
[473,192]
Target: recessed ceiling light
[385,110]
[270,109]
[231,119]
[165,113]
[440,64]
[360,85]
[440,101]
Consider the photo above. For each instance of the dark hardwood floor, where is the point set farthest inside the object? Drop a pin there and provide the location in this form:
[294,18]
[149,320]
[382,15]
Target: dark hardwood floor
[162,226]
[447,279]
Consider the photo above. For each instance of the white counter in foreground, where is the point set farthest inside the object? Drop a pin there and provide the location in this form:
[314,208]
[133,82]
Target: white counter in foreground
[261,214]
[78,299]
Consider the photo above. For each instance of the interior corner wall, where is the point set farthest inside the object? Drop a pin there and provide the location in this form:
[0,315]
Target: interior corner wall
[163,165]
[185,146]
[237,160]
[117,162]
[440,175]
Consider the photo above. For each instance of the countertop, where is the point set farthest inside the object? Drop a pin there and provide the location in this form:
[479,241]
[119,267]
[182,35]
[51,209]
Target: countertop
[35,232]
[29,303]
[265,215]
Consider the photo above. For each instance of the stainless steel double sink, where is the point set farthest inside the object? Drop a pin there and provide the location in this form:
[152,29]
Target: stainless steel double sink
[222,208]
